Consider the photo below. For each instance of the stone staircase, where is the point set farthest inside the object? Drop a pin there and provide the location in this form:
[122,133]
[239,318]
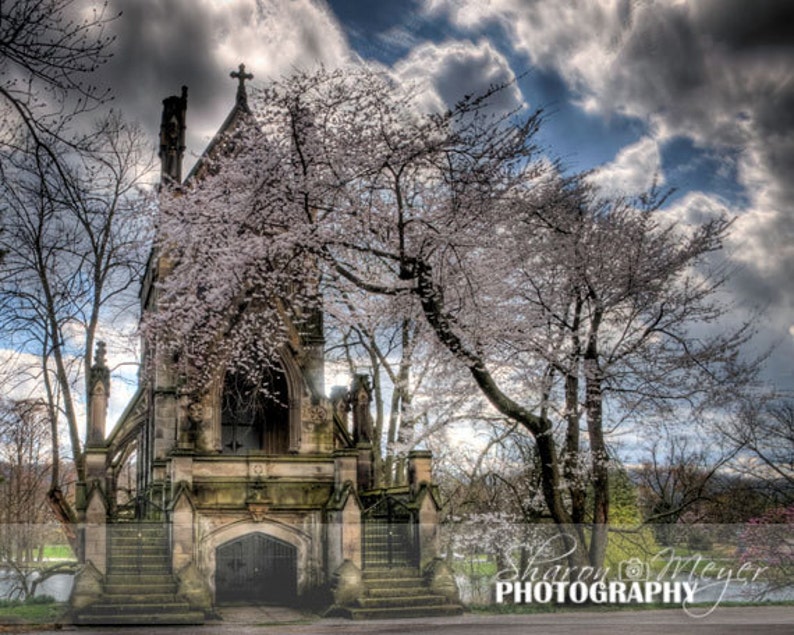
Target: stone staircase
[399,593]
[139,587]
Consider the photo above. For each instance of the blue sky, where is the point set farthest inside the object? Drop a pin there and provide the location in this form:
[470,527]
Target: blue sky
[696,93]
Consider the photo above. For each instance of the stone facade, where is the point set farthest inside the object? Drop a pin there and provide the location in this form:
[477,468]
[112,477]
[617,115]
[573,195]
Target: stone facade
[285,509]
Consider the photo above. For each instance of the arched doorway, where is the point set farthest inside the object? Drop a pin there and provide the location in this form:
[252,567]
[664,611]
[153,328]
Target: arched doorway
[256,569]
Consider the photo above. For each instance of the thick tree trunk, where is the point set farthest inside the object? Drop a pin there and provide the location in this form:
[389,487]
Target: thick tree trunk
[65,514]
[539,427]
[598,450]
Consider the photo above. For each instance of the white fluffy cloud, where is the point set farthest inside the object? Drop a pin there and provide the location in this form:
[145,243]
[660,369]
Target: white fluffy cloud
[718,72]
[275,37]
[443,73]
[20,375]
[635,169]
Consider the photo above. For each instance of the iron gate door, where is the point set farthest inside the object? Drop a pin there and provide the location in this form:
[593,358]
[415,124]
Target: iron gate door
[256,569]
[389,534]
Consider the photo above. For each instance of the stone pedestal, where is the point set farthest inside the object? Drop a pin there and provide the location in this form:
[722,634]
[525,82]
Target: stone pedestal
[345,468]
[366,474]
[419,469]
[182,528]
[428,526]
[95,529]
[347,585]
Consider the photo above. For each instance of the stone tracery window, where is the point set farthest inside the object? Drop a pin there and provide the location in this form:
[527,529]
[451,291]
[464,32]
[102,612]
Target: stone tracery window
[254,414]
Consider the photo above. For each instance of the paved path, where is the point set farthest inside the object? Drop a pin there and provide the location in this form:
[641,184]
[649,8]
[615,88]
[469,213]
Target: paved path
[773,620]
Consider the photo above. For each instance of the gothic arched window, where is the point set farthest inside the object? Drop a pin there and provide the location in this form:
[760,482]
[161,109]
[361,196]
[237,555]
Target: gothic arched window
[254,414]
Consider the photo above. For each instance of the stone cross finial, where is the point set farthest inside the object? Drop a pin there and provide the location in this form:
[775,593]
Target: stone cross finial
[240,75]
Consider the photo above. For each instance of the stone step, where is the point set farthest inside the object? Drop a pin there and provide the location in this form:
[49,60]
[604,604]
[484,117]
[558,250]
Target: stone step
[135,531]
[135,550]
[135,573]
[138,579]
[395,592]
[132,589]
[139,596]
[123,607]
[397,583]
[384,547]
[142,566]
[391,572]
[400,557]
[387,578]
[131,561]
[127,558]
[134,545]
[444,610]
[138,530]
[135,541]
[130,542]
[144,552]
[416,600]
[163,619]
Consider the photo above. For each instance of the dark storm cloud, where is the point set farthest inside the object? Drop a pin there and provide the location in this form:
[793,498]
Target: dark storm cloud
[159,47]
[723,73]
[668,37]
[759,36]
[752,25]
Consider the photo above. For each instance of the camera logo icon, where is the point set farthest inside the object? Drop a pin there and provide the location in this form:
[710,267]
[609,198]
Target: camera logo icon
[633,570]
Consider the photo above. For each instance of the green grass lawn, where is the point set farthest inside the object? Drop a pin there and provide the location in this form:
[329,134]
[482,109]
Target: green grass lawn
[31,613]
[58,552]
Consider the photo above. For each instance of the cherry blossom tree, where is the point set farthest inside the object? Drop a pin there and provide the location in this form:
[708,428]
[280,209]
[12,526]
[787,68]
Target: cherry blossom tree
[563,308]
[769,539]
[373,335]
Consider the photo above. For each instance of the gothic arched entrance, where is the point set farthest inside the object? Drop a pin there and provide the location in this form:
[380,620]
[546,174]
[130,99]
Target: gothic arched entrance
[256,569]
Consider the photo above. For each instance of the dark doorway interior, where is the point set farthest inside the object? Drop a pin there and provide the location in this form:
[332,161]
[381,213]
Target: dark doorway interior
[254,414]
[256,569]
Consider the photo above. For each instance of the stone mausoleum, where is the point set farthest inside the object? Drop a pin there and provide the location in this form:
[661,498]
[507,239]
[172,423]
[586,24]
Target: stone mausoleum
[242,498]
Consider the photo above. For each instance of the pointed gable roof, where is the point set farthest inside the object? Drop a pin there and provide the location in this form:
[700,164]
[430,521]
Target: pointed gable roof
[239,114]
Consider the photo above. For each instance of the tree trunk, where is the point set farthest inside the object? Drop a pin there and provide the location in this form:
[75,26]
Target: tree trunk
[65,514]
[598,450]
[540,428]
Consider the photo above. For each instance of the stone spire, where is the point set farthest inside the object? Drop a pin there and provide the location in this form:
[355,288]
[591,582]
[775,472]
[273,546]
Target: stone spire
[360,400]
[98,394]
[363,432]
[172,137]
